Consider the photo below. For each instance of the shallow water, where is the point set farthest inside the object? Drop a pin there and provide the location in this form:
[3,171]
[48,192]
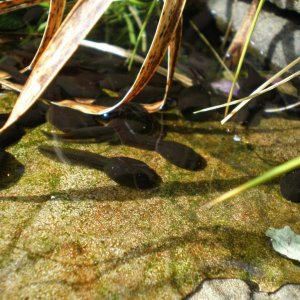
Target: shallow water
[70,230]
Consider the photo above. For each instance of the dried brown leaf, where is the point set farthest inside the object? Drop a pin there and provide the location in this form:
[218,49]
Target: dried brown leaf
[168,34]
[173,51]
[12,5]
[56,12]
[75,27]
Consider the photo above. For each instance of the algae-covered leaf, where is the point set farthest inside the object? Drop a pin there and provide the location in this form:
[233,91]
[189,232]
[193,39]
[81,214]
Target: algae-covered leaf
[285,241]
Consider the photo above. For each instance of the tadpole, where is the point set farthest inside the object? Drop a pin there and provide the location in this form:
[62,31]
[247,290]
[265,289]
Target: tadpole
[290,185]
[66,119]
[125,171]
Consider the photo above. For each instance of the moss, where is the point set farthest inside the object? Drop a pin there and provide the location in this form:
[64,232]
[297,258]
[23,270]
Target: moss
[116,243]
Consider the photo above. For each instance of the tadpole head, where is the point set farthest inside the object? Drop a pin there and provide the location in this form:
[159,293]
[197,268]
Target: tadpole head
[290,185]
[132,173]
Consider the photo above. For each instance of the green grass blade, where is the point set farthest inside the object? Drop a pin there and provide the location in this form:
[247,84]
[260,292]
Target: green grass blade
[277,171]
[245,48]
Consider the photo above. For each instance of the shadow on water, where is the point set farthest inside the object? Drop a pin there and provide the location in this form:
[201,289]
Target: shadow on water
[11,171]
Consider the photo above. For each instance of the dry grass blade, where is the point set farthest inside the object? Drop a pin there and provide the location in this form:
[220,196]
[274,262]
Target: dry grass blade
[172,58]
[235,49]
[76,26]
[56,11]
[248,98]
[169,20]
[11,86]
[280,109]
[55,16]
[262,87]
[104,47]
[244,48]
[12,5]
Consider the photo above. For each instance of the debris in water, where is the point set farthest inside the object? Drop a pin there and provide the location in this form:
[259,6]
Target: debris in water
[285,241]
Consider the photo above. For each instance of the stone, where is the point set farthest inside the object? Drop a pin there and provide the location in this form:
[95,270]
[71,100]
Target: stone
[289,291]
[275,38]
[287,4]
[223,289]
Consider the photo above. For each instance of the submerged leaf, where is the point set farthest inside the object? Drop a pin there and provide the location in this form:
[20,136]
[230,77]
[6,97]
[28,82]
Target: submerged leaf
[285,241]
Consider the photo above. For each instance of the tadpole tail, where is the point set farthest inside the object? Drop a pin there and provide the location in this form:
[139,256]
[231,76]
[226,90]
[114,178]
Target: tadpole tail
[75,157]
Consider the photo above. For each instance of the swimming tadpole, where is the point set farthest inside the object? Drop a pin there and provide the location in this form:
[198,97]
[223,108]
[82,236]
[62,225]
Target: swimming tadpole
[10,135]
[178,154]
[116,131]
[290,185]
[125,171]
[2,156]
[94,134]
[66,119]
[181,155]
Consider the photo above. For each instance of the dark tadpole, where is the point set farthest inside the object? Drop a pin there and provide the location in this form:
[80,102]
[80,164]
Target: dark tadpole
[178,154]
[125,171]
[136,119]
[66,119]
[290,186]
[11,135]
[33,117]
[11,170]
[92,134]
[193,99]
[251,114]
[116,131]
[181,155]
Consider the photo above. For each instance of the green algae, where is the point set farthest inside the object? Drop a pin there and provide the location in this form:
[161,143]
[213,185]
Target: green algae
[68,230]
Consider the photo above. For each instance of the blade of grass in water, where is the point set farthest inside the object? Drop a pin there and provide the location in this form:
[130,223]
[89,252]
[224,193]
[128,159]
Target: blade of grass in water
[149,14]
[277,171]
[239,67]
[215,53]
